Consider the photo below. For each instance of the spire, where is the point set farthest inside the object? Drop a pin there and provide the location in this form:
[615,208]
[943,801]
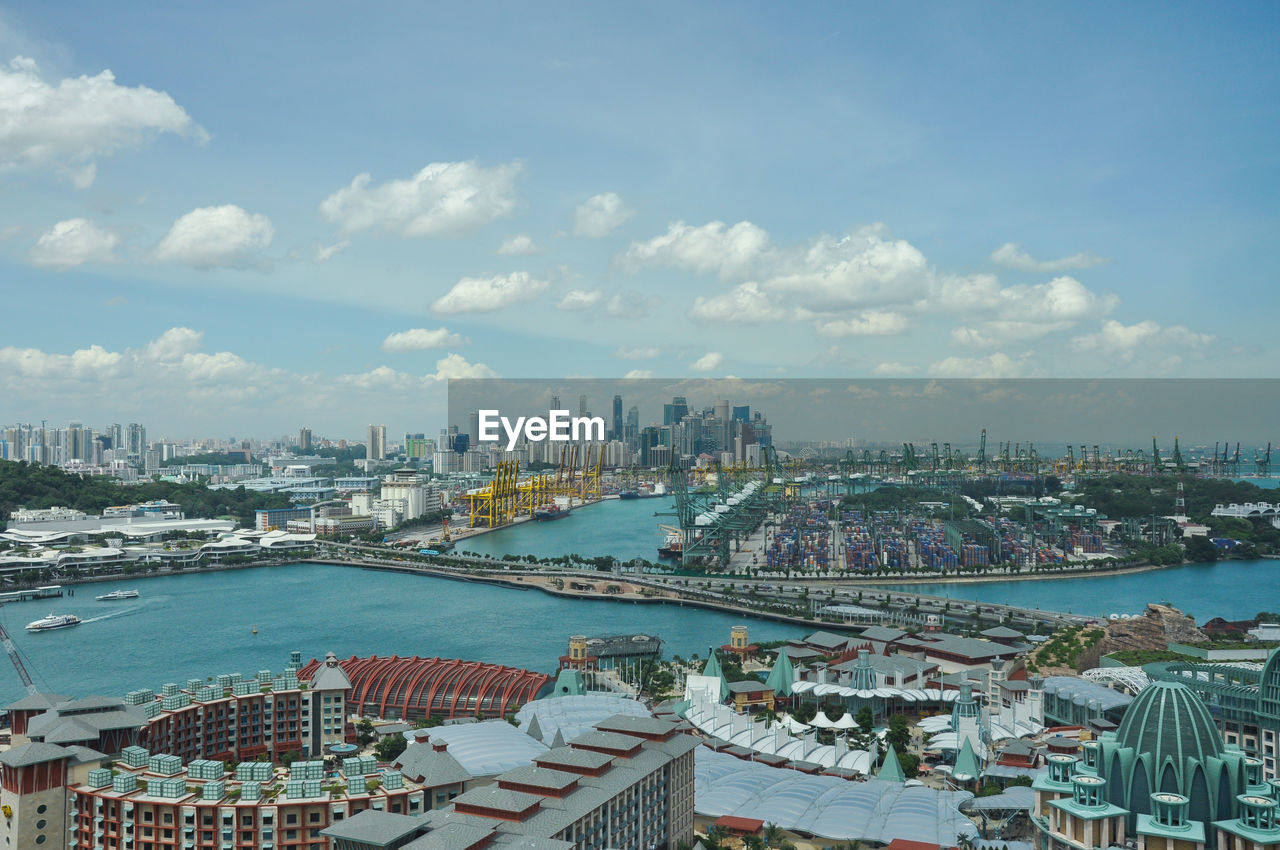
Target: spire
[967,768]
[534,729]
[558,740]
[891,770]
[713,669]
[781,676]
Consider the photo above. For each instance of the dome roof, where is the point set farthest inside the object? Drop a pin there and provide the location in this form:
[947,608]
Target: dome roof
[1168,719]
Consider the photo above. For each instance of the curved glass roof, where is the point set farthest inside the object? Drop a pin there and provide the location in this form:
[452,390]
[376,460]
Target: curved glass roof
[827,806]
[494,746]
[574,715]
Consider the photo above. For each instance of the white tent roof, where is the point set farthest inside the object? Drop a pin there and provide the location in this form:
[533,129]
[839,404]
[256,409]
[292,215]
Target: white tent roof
[827,806]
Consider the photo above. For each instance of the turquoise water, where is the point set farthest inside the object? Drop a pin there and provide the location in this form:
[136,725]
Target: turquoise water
[1264,483]
[201,624]
[624,529]
[1231,589]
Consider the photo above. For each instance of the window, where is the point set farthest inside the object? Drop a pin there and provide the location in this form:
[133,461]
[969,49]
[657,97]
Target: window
[41,809]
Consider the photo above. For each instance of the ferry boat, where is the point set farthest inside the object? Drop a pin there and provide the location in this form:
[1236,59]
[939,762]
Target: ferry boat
[54,621]
[544,513]
[117,594]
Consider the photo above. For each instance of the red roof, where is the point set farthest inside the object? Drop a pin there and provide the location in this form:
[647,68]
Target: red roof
[748,826]
[904,844]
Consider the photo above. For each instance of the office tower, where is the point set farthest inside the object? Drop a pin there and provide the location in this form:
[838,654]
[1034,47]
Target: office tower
[555,403]
[582,405]
[375,446]
[304,439]
[135,441]
[617,418]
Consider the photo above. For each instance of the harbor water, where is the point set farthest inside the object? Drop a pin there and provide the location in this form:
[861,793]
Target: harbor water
[202,624]
[1234,590]
[620,528]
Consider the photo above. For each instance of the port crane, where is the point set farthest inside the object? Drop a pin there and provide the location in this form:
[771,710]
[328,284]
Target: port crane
[1262,463]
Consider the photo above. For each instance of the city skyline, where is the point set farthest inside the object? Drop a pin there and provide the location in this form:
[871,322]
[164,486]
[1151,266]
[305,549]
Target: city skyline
[230,237]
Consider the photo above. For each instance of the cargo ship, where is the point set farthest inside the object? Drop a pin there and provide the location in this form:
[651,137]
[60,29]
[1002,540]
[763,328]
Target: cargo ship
[54,621]
[628,494]
[673,547]
[543,513]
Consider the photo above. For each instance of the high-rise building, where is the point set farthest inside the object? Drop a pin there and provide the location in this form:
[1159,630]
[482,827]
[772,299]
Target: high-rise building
[375,445]
[79,442]
[675,411]
[135,441]
[304,439]
[582,405]
[616,433]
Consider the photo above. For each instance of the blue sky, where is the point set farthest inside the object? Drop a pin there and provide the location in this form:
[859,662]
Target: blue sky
[853,190]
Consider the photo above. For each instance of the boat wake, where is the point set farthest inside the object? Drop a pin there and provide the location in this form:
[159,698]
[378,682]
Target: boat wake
[119,613]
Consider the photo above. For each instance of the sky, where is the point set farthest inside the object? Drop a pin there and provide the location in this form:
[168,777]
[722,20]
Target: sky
[243,218]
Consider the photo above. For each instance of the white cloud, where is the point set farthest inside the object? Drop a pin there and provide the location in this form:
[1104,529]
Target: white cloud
[521,243]
[745,304]
[73,242]
[217,237]
[1010,255]
[869,323]
[1115,338]
[325,253]
[174,344]
[477,295]
[455,366]
[637,353]
[857,271]
[600,215]
[172,379]
[638,374]
[997,365]
[631,305]
[707,362]
[712,247]
[64,126]
[443,199]
[421,339]
[895,370]
[580,299]
[1014,313]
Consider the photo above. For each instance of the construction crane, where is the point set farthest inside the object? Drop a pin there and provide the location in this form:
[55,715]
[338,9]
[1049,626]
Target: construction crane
[17,662]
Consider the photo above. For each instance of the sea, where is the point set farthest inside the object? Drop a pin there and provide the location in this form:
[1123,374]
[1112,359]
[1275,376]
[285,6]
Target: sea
[198,625]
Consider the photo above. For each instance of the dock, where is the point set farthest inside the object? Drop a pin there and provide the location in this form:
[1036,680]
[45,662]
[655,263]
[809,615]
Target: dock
[48,591]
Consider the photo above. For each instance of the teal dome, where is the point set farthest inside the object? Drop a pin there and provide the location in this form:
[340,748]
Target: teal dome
[1168,720]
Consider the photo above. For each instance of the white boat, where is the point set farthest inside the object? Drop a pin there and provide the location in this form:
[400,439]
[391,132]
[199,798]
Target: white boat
[117,594]
[54,621]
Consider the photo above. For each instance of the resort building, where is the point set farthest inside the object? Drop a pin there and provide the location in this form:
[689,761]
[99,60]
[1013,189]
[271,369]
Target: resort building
[1164,780]
[415,688]
[626,783]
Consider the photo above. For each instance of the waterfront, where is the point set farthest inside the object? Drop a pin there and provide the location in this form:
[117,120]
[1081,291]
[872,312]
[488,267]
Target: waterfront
[201,624]
[1231,589]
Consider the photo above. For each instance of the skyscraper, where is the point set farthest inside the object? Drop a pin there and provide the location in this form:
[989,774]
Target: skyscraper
[375,445]
[304,439]
[617,418]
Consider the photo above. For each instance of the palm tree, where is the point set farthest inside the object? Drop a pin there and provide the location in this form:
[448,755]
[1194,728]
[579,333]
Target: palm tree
[773,835]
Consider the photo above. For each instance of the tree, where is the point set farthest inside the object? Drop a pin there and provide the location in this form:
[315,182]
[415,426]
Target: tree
[390,747]
[364,732]
[899,733]
[773,835]
[1201,550]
